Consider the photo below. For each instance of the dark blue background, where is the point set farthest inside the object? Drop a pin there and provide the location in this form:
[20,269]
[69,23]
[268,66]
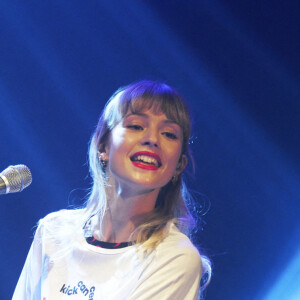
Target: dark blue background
[236,63]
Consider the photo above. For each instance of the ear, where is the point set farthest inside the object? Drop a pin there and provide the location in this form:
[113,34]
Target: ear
[103,149]
[183,161]
[103,154]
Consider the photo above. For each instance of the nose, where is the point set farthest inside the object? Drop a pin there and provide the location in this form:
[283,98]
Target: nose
[150,139]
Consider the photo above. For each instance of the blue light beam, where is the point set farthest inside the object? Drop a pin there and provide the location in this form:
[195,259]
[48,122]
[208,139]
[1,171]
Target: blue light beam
[287,287]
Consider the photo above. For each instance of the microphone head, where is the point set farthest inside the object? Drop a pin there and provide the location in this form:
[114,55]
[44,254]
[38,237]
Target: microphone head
[16,178]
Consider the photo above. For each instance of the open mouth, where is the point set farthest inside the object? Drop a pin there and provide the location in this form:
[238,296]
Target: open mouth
[146,158]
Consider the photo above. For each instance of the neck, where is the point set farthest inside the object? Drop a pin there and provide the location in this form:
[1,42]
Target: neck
[127,209]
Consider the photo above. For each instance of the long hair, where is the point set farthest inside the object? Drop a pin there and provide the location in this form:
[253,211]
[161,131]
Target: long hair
[170,204]
[136,98]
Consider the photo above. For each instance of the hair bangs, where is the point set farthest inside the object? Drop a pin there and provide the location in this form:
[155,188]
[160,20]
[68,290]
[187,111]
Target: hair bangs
[158,98]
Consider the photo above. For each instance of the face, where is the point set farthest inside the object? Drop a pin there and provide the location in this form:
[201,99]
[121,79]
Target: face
[144,151]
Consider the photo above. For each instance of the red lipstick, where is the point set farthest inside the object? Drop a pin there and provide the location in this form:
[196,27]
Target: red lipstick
[144,165]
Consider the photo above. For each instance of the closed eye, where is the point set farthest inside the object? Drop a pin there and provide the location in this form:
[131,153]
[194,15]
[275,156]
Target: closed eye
[135,127]
[170,135]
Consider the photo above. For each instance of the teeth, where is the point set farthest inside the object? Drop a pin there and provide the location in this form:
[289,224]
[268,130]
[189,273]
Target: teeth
[147,159]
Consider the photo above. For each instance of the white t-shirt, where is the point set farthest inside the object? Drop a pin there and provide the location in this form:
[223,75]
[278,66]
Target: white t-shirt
[171,271]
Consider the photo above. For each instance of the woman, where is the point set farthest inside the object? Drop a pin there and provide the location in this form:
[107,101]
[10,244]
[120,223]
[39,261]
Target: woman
[128,241]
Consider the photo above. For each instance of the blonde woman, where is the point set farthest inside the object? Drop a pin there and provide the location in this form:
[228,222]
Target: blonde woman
[129,241]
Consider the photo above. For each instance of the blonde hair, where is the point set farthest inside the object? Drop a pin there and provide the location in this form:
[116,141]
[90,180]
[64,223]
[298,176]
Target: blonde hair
[170,205]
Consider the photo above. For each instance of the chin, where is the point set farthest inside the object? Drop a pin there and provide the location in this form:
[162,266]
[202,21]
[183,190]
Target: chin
[151,184]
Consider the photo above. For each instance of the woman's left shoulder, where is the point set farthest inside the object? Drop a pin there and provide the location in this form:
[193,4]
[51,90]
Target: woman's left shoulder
[178,245]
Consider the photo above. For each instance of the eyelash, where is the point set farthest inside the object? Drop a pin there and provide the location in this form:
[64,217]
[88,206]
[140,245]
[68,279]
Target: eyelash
[135,127]
[169,135]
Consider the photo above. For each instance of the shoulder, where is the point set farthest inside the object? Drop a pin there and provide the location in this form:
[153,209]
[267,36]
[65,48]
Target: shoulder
[179,242]
[63,213]
[173,269]
[178,249]
[59,228]
[61,217]
[55,223]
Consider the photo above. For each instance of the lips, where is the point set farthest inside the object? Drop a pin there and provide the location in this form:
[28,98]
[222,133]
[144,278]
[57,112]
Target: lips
[146,160]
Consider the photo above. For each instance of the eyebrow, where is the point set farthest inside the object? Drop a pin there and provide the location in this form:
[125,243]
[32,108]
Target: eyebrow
[167,121]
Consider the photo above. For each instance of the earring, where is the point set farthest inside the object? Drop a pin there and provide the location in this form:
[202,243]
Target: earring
[103,159]
[174,179]
[103,163]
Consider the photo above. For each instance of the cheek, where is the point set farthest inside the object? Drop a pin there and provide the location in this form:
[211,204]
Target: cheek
[117,138]
[120,146]
[173,156]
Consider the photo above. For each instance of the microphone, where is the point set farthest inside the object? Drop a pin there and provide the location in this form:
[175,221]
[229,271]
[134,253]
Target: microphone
[15,179]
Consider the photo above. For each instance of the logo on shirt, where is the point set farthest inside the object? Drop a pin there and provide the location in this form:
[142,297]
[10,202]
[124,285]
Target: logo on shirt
[79,288]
